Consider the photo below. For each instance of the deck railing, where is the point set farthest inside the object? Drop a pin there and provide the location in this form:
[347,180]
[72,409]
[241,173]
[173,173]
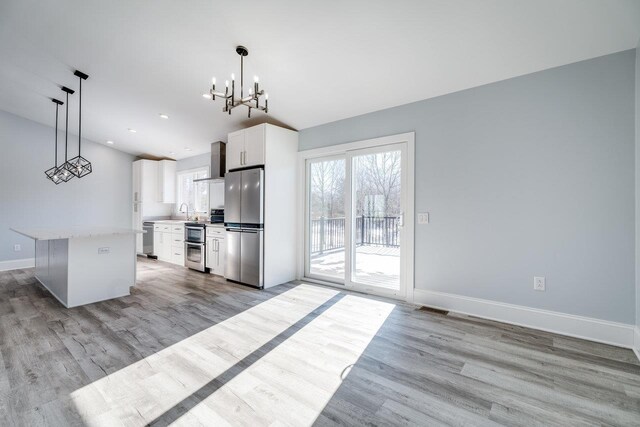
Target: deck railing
[328,233]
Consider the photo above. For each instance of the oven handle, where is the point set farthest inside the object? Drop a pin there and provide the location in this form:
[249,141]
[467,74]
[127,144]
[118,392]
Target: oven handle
[193,244]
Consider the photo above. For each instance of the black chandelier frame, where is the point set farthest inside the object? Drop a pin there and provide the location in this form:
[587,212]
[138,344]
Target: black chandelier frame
[77,166]
[252,101]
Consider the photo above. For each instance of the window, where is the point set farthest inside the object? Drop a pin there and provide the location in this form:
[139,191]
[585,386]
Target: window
[194,194]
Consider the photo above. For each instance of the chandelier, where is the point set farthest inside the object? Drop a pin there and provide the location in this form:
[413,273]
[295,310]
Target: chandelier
[252,100]
[53,174]
[77,166]
[64,171]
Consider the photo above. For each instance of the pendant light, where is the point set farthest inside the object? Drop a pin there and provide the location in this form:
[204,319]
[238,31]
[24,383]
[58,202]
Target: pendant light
[64,171]
[51,173]
[79,166]
[252,101]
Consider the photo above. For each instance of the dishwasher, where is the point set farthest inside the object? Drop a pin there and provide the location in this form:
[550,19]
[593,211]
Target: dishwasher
[147,239]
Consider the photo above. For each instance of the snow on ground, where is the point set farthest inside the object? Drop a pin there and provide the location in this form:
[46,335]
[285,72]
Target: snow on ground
[375,265]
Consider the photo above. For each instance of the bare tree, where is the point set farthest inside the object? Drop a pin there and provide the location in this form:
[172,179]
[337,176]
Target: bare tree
[378,175]
[327,188]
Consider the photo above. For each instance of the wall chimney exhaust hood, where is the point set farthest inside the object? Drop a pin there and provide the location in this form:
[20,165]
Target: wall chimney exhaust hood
[218,162]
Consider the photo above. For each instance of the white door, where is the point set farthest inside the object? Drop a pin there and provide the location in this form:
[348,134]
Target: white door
[235,150]
[157,243]
[222,261]
[326,219]
[354,233]
[254,146]
[210,261]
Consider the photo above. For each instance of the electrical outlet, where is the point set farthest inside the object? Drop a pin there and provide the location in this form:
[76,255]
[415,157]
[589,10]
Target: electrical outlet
[104,250]
[17,248]
[539,283]
[423,218]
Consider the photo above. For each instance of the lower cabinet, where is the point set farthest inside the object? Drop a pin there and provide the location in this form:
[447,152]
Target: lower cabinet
[216,251]
[168,243]
[177,254]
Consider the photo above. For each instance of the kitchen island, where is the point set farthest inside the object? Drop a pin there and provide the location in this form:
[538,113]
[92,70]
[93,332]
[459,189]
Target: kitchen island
[82,265]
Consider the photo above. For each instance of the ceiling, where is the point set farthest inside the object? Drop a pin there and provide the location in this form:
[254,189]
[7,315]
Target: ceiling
[319,61]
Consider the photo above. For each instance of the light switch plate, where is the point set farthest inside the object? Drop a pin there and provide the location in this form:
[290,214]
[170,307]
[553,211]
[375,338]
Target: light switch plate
[105,250]
[17,248]
[539,283]
[423,218]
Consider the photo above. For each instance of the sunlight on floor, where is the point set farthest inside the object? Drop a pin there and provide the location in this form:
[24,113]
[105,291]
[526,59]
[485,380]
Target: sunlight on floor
[143,391]
[292,384]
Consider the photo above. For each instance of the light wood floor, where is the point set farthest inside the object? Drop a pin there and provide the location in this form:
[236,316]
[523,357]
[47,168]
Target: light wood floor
[189,349]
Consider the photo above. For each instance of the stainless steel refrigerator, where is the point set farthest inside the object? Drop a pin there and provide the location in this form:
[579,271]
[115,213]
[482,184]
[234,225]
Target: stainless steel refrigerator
[244,221]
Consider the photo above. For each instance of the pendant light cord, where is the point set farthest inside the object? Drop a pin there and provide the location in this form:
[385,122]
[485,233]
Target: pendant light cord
[56,153]
[66,129]
[80,119]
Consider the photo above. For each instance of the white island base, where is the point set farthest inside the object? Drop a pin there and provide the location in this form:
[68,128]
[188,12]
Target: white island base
[84,266]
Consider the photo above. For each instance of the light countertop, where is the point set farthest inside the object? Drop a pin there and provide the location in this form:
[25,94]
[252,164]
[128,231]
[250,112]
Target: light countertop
[72,232]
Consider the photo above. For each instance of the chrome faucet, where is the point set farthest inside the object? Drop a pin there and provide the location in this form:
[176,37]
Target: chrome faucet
[186,206]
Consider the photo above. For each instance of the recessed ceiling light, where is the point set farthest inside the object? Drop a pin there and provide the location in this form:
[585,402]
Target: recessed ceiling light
[206,95]
[132,130]
[110,142]
[171,152]
[187,148]
[164,116]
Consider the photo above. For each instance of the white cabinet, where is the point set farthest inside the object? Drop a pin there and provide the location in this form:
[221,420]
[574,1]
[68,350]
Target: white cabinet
[162,245]
[168,242]
[216,250]
[154,181]
[246,148]
[177,244]
[254,145]
[216,255]
[167,181]
[136,177]
[145,181]
[235,150]
[137,224]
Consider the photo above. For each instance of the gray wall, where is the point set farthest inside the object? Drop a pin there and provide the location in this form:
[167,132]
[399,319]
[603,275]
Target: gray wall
[193,162]
[29,199]
[638,188]
[524,177]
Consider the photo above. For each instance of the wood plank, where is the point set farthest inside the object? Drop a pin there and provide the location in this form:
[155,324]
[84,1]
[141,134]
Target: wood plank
[193,349]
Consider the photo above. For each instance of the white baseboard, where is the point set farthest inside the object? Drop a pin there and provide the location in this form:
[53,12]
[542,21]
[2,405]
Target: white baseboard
[636,341]
[15,264]
[614,333]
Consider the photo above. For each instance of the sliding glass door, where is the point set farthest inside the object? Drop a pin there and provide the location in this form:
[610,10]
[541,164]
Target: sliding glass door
[355,205]
[326,219]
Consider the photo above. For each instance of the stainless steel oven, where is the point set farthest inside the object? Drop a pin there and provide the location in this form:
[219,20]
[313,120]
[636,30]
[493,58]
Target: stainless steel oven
[195,250]
[194,233]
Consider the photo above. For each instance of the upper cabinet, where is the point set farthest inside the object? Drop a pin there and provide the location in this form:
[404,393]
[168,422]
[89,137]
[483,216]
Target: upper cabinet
[254,145]
[145,182]
[154,181]
[235,150]
[246,147]
[167,181]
